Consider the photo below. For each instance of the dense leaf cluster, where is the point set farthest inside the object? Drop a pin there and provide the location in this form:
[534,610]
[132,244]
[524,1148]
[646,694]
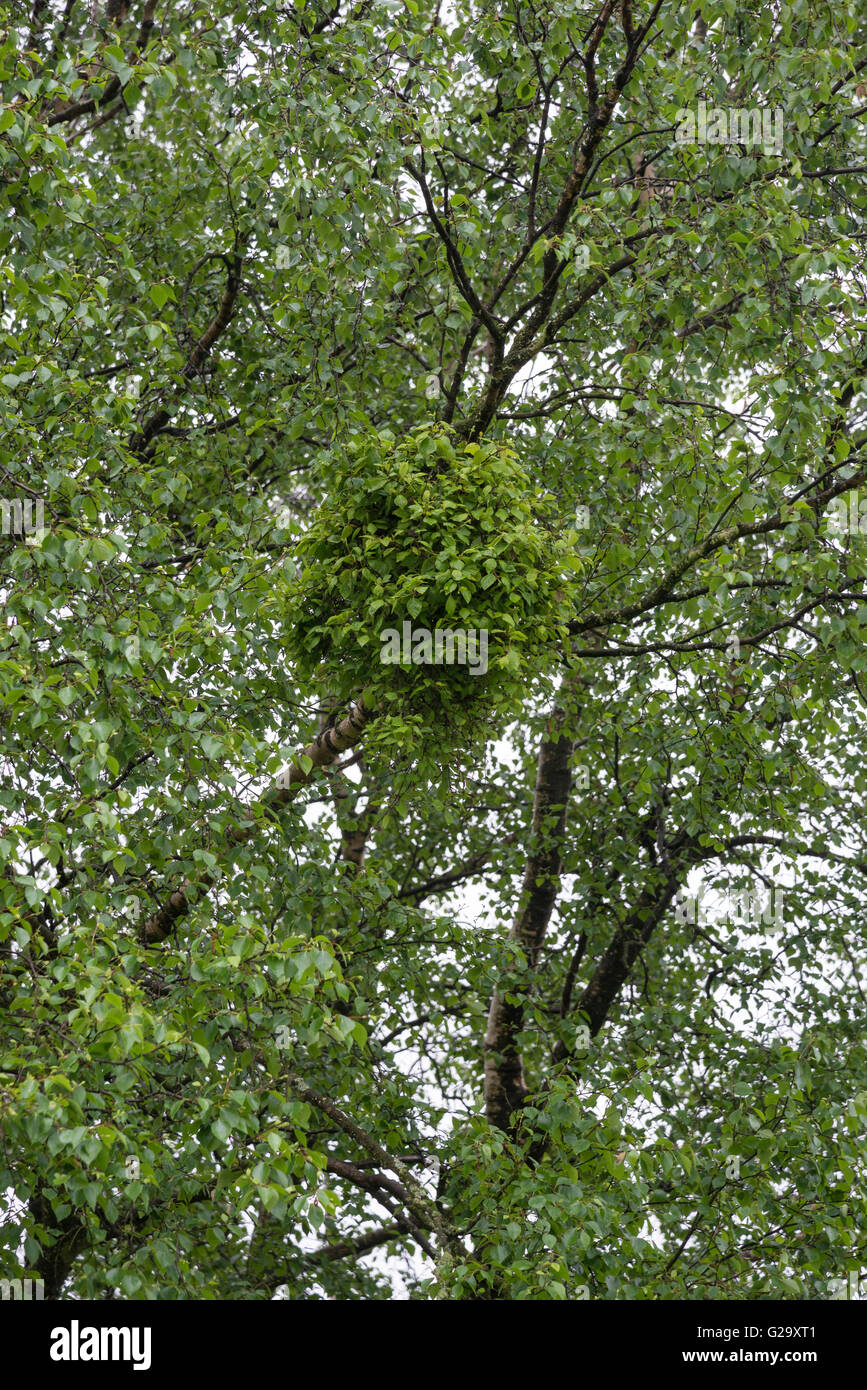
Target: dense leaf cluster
[446,536]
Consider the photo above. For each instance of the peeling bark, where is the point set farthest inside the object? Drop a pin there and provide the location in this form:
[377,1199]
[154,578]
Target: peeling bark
[505,1085]
[354,830]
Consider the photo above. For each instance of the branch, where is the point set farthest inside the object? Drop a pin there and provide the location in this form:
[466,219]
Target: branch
[505,1086]
[456,265]
[114,87]
[441,882]
[386,1192]
[359,1246]
[325,748]
[663,592]
[199,353]
[412,1193]
[599,117]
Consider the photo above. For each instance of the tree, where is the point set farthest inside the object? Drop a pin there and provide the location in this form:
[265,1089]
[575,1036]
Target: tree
[539,321]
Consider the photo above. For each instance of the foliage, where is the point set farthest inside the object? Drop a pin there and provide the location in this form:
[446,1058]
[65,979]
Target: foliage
[318,318]
[443,535]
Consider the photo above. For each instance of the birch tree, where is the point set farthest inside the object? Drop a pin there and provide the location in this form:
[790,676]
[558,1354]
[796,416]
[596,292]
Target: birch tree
[338,976]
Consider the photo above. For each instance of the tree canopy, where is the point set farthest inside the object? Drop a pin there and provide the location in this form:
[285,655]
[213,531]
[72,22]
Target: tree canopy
[359,980]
